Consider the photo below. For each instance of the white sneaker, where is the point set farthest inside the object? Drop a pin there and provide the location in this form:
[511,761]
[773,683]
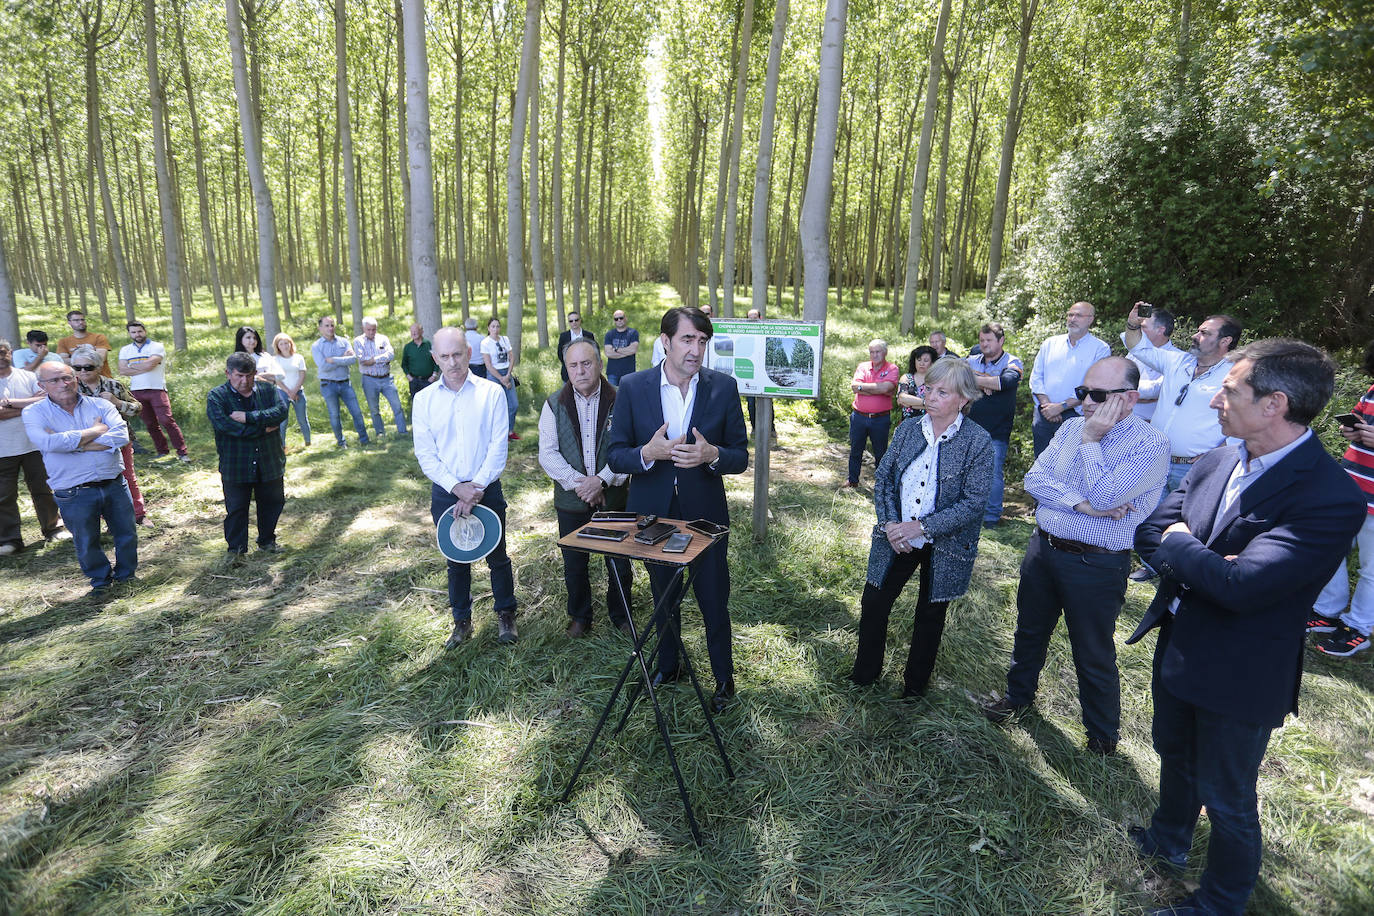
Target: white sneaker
[8,549]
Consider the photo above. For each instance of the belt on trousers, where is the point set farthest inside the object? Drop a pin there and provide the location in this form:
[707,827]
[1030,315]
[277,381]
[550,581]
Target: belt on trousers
[94,483]
[1075,547]
[1177,460]
[873,416]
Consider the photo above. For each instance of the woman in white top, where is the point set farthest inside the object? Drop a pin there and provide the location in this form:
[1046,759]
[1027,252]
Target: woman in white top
[929,492]
[246,340]
[291,370]
[500,363]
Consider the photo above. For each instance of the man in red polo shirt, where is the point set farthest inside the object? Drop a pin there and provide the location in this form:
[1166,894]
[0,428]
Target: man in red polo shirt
[871,418]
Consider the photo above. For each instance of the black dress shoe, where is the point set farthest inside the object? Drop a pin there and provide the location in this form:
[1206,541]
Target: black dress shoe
[721,698]
[1101,747]
[911,693]
[663,678]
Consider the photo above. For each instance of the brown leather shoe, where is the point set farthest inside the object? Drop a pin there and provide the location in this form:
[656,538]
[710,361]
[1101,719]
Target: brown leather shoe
[848,485]
[578,628]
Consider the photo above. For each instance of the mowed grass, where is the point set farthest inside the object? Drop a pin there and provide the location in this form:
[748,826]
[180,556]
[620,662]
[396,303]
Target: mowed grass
[291,737]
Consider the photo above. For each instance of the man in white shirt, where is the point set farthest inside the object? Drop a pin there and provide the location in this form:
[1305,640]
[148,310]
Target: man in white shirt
[375,355]
[1059,368]
[573,449]
[461,426]
[1188,383]
[19,389]
[1158,328]
[143,361]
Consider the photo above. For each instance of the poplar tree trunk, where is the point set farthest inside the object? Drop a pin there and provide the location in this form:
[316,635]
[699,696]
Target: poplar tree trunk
[9,309]
[736,141]
[515,246]
[536,224]
[556,182]
[815,211]
[424,272]
[999,203]
[73,251]
[170,238]
[717,220]
[95,38]
[763,171]
[202,184]
[262,196]
[355,273]
[918,184]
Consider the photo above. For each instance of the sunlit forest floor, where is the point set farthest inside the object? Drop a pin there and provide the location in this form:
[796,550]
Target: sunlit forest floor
[291,736]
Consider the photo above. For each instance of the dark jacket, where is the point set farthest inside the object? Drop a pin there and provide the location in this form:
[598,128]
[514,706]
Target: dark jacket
[1235,646]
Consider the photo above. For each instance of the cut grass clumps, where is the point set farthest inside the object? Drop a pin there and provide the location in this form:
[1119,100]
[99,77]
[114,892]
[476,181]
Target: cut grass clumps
[290,736]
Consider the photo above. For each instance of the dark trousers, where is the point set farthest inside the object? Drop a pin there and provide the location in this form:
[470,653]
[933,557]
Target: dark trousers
[577,577]
[498,562]
[875,608]
[1042,430]
[416,386]
[270,496]
[712,588]
[1089,590]
[1206,758]
[157,416]
[36,479]
[871,429]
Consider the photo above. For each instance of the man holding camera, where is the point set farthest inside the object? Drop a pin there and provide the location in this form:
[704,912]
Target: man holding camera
[1189,381]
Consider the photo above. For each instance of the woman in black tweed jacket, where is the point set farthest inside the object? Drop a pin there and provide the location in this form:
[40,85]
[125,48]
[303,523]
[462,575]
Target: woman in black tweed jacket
[929,517]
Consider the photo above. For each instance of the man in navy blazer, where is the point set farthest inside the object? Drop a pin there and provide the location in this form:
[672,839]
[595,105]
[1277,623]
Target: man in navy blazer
[676,429]
[1243,545]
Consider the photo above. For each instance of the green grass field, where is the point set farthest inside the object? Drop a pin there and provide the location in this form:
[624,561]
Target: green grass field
[289,736]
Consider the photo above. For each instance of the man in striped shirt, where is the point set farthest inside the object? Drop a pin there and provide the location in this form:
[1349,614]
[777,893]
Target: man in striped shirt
[1350,628]
[1100,477]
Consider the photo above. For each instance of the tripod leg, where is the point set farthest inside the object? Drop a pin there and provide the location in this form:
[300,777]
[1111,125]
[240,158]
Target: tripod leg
[672,596]
[596,732]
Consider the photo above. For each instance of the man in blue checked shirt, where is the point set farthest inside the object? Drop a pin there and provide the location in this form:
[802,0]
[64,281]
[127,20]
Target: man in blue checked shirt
[1100,477]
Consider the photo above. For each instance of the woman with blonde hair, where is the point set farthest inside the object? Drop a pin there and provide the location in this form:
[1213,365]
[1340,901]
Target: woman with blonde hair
[290,381]
[929,490]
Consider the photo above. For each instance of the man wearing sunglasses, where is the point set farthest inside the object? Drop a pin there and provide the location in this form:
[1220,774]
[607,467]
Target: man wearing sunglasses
[1188,383]
[1099,478]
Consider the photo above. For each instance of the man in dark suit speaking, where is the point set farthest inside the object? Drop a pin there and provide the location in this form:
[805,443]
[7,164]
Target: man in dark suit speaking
[1244,545]
[676,429]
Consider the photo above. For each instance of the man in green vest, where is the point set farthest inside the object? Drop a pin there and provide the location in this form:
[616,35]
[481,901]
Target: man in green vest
[573,444]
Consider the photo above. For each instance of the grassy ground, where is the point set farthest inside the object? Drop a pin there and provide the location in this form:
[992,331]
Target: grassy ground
[290,736]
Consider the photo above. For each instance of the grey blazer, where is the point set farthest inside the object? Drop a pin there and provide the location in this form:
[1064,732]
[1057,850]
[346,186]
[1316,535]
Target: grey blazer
[963,478]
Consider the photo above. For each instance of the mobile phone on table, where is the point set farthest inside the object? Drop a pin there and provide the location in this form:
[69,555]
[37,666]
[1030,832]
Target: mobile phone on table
[610,515]
[708,528]
[677,543]
[603,534]
[1349,419]
[655,533]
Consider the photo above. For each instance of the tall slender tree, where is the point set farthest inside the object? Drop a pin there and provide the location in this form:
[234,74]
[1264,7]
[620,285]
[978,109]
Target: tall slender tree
[515,245]
[355,270]
[758,242]
[262,195]
[815,212]
[171,239]
[918,184]
[424,268]
[1012,128]
[736,141]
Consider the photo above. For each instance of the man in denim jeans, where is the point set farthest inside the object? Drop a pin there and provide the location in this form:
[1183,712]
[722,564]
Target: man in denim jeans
[333,356]
[80,438]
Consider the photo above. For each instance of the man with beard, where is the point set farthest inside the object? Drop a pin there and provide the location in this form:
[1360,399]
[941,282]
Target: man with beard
[1189,381]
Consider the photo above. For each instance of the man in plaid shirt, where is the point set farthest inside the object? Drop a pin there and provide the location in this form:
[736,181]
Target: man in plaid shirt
[245,415]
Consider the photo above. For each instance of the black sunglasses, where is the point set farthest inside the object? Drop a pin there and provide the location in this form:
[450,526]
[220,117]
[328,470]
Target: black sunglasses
[1097,394]
[83,368]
